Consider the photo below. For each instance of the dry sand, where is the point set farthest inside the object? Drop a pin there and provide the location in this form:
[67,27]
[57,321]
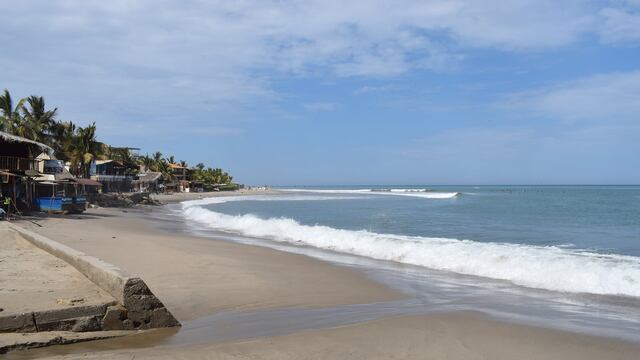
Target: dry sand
[34,280]
[197,277]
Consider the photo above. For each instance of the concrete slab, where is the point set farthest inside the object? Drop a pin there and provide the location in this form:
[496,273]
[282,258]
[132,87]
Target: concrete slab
[21,341]
[32,280]
[144,309]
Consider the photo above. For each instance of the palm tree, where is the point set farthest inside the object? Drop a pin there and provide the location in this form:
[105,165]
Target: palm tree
[161,165]
[148,162]
[29,118]
[83,149]
[10,115]
[157,157]
[62,138]
[36,121]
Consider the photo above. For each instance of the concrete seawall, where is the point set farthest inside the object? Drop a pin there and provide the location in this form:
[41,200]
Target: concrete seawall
[137,307]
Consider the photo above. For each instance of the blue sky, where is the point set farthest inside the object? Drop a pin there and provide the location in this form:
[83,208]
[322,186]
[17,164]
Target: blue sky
[321,92]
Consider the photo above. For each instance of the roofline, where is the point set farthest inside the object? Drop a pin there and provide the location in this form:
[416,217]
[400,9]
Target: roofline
[15,138]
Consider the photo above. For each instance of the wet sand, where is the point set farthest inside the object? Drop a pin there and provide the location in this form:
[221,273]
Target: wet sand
[461,335]
[198,277]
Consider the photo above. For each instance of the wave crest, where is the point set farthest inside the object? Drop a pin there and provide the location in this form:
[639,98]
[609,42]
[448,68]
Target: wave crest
[420,193]
[550,268]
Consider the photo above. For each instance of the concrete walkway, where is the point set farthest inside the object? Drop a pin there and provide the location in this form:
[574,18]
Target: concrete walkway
[23,341]
[53,294]
[34,280]
[41,295]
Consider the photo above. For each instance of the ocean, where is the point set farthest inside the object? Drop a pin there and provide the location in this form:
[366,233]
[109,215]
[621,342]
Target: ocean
[536,254]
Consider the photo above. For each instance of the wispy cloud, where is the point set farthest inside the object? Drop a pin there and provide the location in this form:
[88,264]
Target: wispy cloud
[621,24]
[607,97]
[357,38]
[142,59]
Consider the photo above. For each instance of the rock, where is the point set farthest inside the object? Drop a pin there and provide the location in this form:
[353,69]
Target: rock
[128,325]
[144,309]
[85,324]
[162,318]
[122,200]
[114,318]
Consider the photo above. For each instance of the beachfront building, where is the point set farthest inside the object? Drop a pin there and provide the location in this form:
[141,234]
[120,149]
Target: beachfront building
[67,195]
[18,167]
[55,189]
[182,176]
[115,176]
[148,181]
[180,172]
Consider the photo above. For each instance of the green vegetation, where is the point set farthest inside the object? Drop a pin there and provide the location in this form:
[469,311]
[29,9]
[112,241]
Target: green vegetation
[210,176]
[79,146]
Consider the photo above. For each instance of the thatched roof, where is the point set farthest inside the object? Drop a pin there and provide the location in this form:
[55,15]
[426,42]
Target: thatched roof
[14,138]
[176,166]
[147,177]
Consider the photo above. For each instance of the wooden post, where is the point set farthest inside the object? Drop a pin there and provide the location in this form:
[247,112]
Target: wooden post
[14,193]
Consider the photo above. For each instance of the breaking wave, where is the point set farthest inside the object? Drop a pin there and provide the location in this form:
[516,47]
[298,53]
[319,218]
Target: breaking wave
[421,193]
[550,268]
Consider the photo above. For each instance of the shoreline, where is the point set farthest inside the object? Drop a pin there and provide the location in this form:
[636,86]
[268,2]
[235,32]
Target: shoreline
[202,277]
[249,277]
[174,198]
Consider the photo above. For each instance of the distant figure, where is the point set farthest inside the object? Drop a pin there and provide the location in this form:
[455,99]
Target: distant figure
[6,203]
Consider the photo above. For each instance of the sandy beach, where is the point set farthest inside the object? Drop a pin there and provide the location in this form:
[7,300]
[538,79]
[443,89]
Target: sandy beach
[320,180]
[197,277]
[200,277]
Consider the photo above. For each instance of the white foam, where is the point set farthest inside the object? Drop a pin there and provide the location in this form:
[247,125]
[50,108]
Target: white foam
[421,193]
[224,199]
[550,268]
[425,195]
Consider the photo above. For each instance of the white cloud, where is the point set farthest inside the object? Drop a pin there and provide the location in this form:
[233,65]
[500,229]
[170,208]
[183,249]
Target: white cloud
[607,97]
[356,38]
[345,38]
[622,24]
[113,58]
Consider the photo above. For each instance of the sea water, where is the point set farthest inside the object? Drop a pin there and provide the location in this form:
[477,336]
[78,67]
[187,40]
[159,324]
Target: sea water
[536,253]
